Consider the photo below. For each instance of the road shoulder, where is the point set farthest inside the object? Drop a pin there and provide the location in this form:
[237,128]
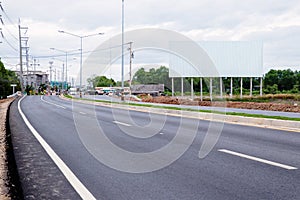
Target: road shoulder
[39,176]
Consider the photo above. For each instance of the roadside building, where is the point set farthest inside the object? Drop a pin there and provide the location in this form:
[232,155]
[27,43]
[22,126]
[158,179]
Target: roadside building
[153,89]
[34,78]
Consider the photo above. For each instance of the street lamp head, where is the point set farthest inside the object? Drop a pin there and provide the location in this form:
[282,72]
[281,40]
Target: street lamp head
[60,31]
[52,48]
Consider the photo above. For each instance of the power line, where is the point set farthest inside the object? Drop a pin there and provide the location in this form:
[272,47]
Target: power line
[6,15]
[10,33]
[9,43]
[4,25]
[85,52]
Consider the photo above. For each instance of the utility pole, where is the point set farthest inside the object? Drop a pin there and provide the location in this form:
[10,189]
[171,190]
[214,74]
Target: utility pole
[27,62]
[35,63]
[23,44]
[21,65]
[50,71]
[130,64]
[55,75]
[62,75]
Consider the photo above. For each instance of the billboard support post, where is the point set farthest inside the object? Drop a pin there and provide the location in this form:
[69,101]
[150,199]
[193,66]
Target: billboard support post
[210,88]
[192,88]
[182,86]
[172,87]
[231,83]
[241,88]
[251,87]
[201,89]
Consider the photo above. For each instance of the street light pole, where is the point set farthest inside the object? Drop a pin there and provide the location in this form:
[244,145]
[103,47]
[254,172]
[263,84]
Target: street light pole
[122,74]
[80,81]
[81,38]
[66,69]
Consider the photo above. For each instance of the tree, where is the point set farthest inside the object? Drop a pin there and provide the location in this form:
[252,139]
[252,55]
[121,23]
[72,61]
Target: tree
[287,80]
[154,76]
[101,81]
[7,78]
[119,83]
[284,79]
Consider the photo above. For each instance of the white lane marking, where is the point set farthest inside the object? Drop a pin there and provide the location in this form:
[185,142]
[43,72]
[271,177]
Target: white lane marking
[161,133]
[121,123]
[83,113]
[258,159]
[70,176]
[52,103]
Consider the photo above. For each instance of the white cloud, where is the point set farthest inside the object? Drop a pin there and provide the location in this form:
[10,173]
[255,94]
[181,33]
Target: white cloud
[275,22]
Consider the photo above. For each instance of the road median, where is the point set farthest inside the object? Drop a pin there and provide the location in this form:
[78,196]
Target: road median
[285,124]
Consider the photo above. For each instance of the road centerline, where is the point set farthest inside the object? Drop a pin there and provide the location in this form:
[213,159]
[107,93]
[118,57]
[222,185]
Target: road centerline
[121,123]
[288,167]
[52,103]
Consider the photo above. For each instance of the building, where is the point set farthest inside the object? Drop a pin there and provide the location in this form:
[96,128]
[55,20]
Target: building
[154,90]
[34,78]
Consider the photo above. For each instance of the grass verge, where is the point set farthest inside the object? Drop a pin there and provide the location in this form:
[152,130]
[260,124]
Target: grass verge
[189,109]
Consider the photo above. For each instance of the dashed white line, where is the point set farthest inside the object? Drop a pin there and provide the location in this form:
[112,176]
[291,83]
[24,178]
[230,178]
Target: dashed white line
[83,113]
[83,192]
[161,133]
[121,123]
[52,103]
[258,159]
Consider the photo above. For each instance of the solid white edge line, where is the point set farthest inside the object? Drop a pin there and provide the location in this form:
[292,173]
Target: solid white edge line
[258,159]
[83,192]
[121,123]
[52,103]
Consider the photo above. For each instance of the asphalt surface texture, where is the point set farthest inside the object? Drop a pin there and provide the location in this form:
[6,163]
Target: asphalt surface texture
[67,127]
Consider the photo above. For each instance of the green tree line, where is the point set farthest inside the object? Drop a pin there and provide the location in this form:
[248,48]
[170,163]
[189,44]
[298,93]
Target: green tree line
[282,81]
[7,78]
[275,81]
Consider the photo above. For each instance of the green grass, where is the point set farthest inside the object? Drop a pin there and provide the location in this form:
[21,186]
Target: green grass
[190,109]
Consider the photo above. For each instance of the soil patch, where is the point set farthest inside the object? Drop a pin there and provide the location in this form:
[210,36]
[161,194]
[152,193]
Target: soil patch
[271,106]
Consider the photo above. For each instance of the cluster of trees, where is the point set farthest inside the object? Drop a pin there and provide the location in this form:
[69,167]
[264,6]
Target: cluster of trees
[7,78]
[275,81]
[282,81]
[101,81]
[161,75]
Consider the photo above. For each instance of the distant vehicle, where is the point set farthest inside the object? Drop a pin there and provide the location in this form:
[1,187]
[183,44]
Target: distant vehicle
[90,92]
[111,90]
[105,90]
[74,91]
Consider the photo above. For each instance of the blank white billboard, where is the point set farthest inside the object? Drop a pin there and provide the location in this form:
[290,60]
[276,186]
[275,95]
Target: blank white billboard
[229,59]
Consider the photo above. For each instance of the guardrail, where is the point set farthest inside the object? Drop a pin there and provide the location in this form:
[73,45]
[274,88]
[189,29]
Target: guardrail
[14,95]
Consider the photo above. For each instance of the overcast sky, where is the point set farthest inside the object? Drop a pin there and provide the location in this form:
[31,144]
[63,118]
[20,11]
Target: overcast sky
[275,22]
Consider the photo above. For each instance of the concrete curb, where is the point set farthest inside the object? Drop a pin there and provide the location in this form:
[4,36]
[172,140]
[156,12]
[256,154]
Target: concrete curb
[277,124]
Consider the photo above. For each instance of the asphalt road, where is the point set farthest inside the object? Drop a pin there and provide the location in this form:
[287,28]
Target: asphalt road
[246,162]
[236,110]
